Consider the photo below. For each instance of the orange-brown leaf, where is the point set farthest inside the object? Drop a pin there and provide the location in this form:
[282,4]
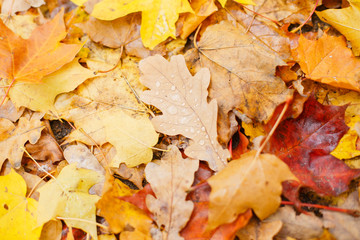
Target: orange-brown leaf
[29,60]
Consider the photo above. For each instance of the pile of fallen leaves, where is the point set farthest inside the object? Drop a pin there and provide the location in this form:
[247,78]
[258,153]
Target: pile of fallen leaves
[201,119]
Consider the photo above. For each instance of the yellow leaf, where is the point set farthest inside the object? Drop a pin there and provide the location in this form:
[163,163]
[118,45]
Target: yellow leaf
[247,182]
[223,2]
[346,21]
[79,2]
[17,213]
[158,16]
[68,197]
[41,96]
[13,137]
[122,215]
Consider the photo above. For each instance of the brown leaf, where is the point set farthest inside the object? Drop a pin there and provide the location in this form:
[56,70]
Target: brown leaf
[343,226]
[182,98]
[242,74]
[256,230]
[301,227]
[10,7]
[170,178]
[248,182]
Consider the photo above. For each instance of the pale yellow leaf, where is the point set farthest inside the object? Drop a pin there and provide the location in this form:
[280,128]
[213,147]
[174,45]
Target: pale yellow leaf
[223,2]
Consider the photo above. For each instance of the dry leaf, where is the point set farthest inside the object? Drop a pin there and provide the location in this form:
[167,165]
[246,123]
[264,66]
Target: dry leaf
[51,230]
[235,83]
[256,230]
[9,111]
[13,137]
[170,178]
[182,98]
[323,60]
[247,182]
[302,227]
[343,226]
[10,7]
[68,197]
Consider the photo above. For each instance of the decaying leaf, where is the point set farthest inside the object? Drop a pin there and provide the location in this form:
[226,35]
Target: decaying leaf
[157,19]
[124,217]
[29,60]
[247,182]
[346,21]
[235,83]
[170,178]
[13,137]
[343,226]
[259,230]
[304,144]
[68,197]
[301,227]
[323,60]
[17,212]
[182,98]
[10,7]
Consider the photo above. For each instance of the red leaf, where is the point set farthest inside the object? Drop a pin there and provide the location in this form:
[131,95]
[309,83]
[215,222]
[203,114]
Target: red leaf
[305,144]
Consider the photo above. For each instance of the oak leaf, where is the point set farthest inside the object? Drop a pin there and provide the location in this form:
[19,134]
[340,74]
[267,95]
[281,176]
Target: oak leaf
[346,21]
[41,96]
[170,178]
[252,181]
[13,137]
[29,60]
[124,217]
[10,7]
[251,88]
[67,196]
[304,144]
[17,212]
[322,61]
[157,20]
[182,98]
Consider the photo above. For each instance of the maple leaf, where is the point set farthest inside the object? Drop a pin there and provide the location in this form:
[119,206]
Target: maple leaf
[41,96]
[346,21]
[122,215]
[182,98]
[170,178]
[304,145]
[157,20]
[17,213]
[251,88]
[13,137]
[67,196]
[248,182]
[223,2]
[29,60]
[322,60]
[10,7]
[107,110]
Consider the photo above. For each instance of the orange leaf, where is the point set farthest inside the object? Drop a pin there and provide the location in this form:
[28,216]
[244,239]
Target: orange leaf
[29,60]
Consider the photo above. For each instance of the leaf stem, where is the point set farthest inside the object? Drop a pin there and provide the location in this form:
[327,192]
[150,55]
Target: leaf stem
[354,213]
[7,92]
[312,12]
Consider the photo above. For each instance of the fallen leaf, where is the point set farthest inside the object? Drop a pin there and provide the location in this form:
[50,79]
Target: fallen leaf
[248,182]
[182,98]
[67,197]
[13,137]
[29,60]
[17,212]
[304,144]
[22,25]
[124,217]
[170,178]
[158,17]
[226,51]
[343,226]
[10,7]
[134,175]
[223,2]
[115,33]
[51,230]
[256,230]
[346,21]
[302,226]
[9,111]
[322,61]
[41,96]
